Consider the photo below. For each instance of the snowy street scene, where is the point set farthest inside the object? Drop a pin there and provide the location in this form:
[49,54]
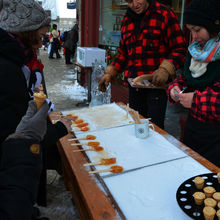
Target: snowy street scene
[110,109]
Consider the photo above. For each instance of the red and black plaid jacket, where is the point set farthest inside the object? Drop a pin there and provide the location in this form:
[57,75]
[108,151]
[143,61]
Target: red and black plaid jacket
[206,103]
[160,38]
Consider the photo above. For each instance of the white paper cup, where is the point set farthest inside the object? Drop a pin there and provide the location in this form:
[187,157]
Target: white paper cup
[142,130]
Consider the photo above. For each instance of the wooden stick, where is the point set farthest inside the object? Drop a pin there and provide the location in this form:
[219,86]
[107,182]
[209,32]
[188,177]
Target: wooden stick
[127,107]
[113,169]
[135,116]
[89,149]
[103,161]
[88,137]
[100,171]
[138,119]
[76,144]
[92,164]
[75,139]
[91,144]
[96,148]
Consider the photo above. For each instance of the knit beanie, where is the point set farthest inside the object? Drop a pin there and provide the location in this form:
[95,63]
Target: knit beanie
[22,15]
[205,13]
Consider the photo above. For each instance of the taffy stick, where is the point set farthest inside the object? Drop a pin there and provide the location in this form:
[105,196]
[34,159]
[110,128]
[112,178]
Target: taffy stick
[135,116]
[78,121]
[127,109]
[103,161]
[81,129]
[73,116]
[99,148]
[80,125]
[113,169]
[87,137]
[90,143]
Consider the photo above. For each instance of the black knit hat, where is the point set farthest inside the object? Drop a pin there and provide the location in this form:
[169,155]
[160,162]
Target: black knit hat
[205,13]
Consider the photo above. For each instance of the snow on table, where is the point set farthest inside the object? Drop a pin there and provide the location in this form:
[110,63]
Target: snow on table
[129,151]
[102,116]
[150,193]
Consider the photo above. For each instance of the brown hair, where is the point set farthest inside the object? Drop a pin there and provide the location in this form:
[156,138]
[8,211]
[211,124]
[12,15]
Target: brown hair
[28,38]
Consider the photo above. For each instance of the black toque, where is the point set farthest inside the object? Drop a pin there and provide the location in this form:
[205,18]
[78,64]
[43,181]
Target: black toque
[205,13]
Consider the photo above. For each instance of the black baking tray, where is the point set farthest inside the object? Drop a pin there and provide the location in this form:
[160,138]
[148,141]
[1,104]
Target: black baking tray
[185,193]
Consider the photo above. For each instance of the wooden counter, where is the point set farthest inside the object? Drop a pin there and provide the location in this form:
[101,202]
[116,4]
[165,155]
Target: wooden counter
[91,196]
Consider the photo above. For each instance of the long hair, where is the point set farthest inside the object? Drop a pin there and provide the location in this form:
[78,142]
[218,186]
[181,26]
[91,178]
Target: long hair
[28,38]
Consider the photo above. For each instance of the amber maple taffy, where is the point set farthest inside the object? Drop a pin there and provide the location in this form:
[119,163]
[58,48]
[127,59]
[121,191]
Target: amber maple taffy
[80,125]
[73,116]
[113,169]
[81,129]
[103,161]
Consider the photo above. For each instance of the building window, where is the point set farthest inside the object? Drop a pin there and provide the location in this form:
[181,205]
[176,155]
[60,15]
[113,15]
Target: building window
[111,12]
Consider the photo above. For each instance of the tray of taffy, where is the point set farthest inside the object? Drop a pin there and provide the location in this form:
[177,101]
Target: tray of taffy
[199,196]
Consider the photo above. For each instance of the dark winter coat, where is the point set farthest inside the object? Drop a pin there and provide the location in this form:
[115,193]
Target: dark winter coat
[72,38]
[14,95]
[20,169]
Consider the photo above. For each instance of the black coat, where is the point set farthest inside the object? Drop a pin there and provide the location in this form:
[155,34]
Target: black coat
[72,38]
[20,171]
[14,95]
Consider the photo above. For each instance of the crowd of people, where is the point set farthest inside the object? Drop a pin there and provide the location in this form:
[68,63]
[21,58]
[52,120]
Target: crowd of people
[152,46]
[66,41]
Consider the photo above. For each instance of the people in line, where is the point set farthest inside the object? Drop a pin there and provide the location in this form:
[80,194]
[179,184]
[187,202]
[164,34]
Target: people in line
[18,39]
[151,43]
[70,43]
[55,43]
[201,80]
[21,165]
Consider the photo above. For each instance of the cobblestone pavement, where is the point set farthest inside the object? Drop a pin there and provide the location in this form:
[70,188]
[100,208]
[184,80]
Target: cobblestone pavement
[61,84]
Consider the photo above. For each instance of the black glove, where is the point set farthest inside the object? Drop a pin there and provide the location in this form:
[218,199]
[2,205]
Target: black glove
[34,124]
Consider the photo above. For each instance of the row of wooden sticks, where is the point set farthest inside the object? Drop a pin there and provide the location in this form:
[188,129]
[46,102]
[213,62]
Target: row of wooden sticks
[95,147]
[134,114]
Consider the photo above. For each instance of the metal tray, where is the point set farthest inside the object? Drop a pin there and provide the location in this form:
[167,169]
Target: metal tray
[185,193]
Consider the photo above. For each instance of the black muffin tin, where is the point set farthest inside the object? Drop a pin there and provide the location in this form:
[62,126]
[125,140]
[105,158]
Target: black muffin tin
[185,193]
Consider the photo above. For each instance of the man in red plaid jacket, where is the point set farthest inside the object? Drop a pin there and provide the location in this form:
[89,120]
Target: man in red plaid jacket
[151,44]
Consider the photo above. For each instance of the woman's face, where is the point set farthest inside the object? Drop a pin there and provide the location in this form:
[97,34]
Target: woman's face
[200,34]
[138,6]
[40,33]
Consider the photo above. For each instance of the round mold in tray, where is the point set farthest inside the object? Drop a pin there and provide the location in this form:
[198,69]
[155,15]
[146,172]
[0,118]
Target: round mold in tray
[185,193]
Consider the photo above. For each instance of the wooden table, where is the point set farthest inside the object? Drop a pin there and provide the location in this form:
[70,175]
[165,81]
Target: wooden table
[91,196]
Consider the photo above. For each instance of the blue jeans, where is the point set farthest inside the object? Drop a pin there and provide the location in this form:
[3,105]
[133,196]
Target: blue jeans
[54,49]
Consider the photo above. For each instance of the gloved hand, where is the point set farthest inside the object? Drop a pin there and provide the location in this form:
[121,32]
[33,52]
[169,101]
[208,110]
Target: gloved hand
[33,125]
[140,79]
[160,77]
[162,74]
[109,74]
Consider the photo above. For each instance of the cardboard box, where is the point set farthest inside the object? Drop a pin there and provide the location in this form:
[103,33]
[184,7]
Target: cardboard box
[87,55]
